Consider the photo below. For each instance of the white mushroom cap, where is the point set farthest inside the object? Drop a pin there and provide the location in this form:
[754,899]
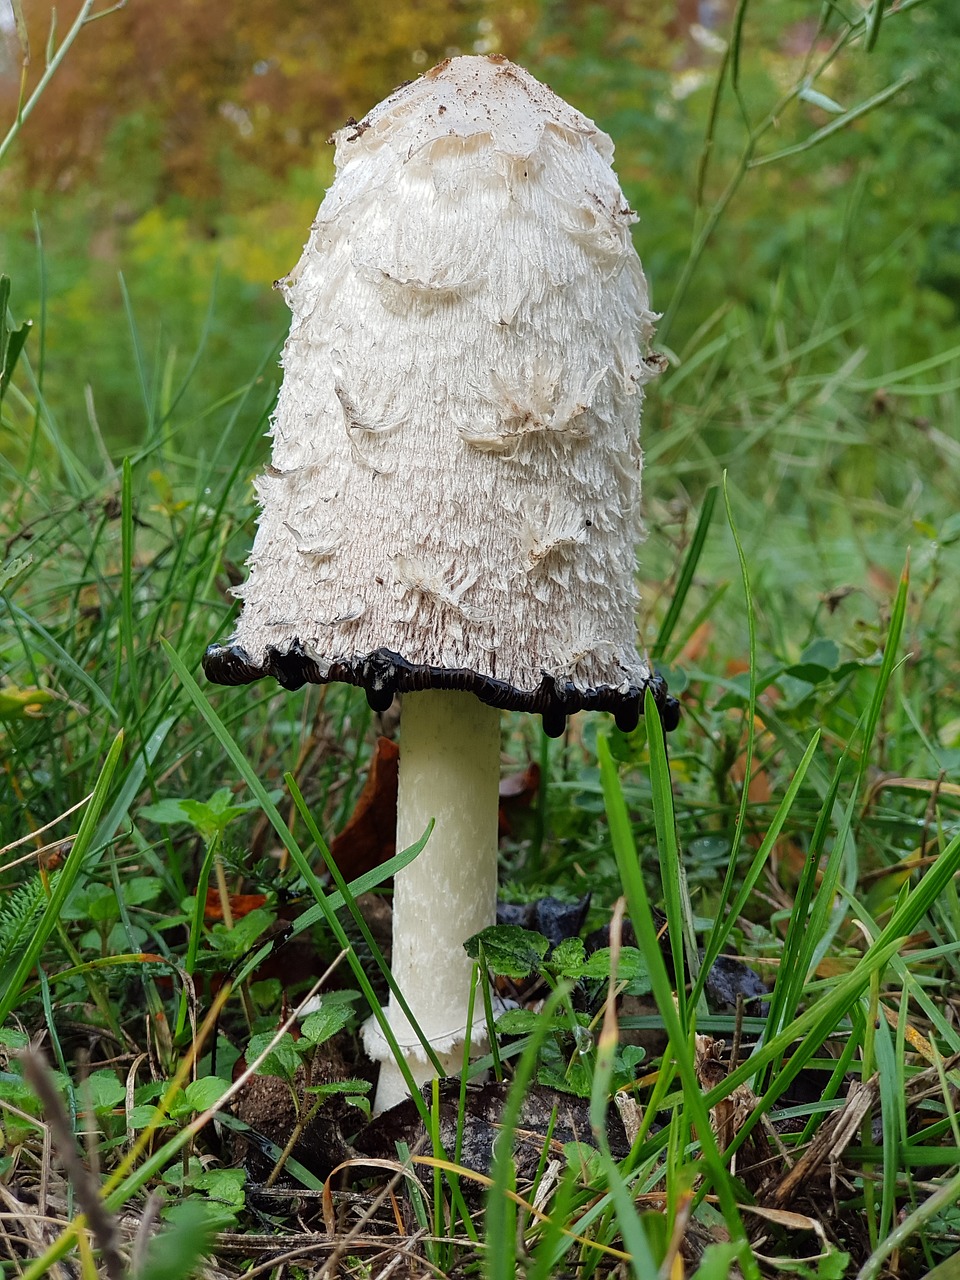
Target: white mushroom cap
[454,495]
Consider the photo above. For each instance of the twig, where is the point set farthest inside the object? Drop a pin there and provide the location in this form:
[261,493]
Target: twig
[102,1225]
[349,1240]
[141,1241]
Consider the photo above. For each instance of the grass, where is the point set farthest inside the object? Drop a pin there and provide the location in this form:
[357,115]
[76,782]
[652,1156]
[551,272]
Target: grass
[821,885]
[800,591]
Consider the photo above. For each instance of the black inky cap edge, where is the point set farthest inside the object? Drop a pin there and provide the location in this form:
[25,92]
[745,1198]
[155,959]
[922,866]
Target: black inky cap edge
[382,673]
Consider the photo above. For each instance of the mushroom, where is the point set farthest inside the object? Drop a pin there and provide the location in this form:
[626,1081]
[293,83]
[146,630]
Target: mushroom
[452,509]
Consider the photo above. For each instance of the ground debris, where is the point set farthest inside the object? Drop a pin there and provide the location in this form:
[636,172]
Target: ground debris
[760,1160]
[824,1153]
[776,1176]
[543,1111]
[269,1111]
[555,918]
[28,1228]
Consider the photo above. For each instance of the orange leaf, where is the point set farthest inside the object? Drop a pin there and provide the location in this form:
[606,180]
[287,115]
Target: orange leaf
[241,904]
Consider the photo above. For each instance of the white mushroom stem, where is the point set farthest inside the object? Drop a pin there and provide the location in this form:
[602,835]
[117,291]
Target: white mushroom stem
[450,772]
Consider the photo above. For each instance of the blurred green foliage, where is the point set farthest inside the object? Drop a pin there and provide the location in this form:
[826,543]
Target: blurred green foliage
[198,174]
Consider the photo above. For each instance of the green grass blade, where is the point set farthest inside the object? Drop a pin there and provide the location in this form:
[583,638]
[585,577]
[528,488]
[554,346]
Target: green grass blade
[682,940]
[299,859]
[139,361]
[55,651]
[50,70]
[751,709]
[727,915]
[801,935]
[687,574]
[500,1235]
[820,1019]
[133,781]
[245,770]
[621,837]
[890,659]
[127,659]
[874,21]
[631,1228]
[890,1070]
[344,888]
[838,124]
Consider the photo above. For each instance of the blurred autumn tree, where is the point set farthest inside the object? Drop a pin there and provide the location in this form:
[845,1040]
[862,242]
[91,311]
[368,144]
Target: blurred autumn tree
[224,98]
[183,142]
[211,103]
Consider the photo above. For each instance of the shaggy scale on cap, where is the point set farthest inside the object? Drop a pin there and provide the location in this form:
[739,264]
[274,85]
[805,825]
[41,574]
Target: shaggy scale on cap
[453,500]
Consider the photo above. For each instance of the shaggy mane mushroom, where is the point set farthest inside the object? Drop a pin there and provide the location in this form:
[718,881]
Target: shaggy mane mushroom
[452,509]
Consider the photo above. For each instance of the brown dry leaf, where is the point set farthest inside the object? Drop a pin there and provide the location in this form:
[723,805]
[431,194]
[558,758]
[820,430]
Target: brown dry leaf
[834,967]
[784,1218]
[759,789]
[522,787]
[931,787]
[789,860]
[786,853]
[913,1037]
[370,837]
[789,1221]
[241,904]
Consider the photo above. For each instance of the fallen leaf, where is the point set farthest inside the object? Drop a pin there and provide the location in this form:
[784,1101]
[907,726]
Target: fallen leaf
[882,582]
[931,786]
[521,786]
[21,704]
[759,790]
[370,836]
[785,1218]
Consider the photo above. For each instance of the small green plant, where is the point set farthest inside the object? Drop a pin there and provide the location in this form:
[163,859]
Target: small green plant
[210,820]
[293,1058]
[218,1193]
[568,1053]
